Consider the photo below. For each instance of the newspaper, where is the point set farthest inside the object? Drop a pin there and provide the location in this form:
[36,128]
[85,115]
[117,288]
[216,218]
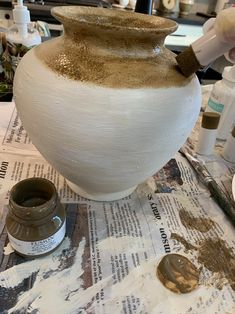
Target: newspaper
[12,134]
[108,260]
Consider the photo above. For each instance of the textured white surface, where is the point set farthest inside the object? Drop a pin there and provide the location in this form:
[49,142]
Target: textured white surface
[104,140]
[99,196]
[13,276]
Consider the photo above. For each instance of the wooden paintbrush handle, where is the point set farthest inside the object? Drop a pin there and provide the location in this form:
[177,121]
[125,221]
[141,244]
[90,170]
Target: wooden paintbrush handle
[227,205]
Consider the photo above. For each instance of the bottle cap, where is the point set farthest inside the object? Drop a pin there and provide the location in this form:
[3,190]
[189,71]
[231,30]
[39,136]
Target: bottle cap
[229,73]
[210,120]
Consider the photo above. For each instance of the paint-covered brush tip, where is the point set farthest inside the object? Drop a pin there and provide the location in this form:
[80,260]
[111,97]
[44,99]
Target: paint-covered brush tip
[187,62]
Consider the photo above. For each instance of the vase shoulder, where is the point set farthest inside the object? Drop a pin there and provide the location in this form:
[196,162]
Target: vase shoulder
[78,63]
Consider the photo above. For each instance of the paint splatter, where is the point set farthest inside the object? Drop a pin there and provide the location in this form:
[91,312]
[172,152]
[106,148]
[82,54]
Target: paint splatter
[216,256]
[188,246]
[201,224]
[47,285]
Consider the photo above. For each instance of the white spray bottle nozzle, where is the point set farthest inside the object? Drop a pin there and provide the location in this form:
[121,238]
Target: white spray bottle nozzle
[21,18]
[21,32]
[216,42]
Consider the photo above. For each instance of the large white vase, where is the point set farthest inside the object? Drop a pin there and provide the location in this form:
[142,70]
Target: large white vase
[105,103]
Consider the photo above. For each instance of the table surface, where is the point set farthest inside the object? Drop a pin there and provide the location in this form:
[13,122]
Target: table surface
[107,262]
[183,37]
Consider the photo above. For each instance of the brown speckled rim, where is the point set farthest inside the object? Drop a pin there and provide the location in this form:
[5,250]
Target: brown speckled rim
[114,19]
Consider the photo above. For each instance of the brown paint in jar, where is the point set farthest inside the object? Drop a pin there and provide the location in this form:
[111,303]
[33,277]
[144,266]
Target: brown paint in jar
[36,219]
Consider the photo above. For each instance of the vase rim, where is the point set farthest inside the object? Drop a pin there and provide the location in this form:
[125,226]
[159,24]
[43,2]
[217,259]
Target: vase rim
[114,19]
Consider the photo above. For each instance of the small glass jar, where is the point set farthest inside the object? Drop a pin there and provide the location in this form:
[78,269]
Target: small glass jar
[36,219]
[185,6]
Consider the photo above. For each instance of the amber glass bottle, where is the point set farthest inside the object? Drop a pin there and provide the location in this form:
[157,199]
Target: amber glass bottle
[36,219]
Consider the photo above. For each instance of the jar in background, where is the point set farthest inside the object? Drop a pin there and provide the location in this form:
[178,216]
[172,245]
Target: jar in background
[36,219]
[185,6]
[207,133]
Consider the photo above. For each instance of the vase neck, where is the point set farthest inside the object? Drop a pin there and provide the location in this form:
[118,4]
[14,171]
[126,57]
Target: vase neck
[108,32]
[114,44]
[112,49]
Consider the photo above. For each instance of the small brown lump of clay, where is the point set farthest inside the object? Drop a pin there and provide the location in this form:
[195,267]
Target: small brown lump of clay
[177,273]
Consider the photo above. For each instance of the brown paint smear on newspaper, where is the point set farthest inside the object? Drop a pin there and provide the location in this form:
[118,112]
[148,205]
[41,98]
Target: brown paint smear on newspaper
[215,255]
[188,246]
[198,223]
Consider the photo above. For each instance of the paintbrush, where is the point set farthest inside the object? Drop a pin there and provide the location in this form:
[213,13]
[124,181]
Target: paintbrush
[225,203]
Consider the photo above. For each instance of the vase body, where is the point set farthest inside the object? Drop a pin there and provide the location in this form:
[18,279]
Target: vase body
[105,103]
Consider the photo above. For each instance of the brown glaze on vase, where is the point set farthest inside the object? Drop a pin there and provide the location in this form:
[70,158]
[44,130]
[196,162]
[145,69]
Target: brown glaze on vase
[124,50]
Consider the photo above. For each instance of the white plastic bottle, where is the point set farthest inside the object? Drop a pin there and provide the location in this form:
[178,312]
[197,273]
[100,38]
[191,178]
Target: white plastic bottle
[20,32]
[222,101]
[229,148]
[207,133]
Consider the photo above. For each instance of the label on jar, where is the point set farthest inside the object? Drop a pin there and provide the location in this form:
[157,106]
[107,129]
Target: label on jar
[38,247]
[215,106]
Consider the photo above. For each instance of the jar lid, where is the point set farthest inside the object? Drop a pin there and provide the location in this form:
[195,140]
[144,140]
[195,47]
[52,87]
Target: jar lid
[210,120]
